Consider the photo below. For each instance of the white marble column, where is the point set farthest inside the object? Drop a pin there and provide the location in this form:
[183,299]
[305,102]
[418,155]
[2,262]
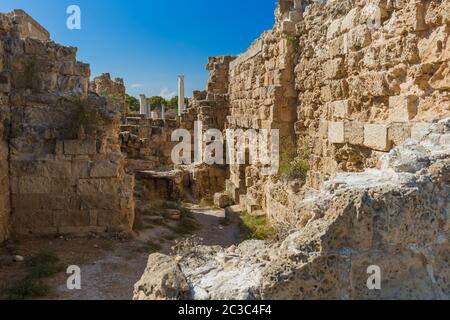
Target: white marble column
[181,105]
[143,104]
[148,111]
[163,110]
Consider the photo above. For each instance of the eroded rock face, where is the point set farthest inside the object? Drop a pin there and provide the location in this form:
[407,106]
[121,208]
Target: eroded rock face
[163,279]
[395,219]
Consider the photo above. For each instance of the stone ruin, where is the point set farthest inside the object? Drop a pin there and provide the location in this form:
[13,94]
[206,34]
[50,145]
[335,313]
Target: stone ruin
[362,85]
[62,170]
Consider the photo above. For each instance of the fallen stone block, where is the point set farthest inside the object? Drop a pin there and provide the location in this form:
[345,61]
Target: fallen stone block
[222,200]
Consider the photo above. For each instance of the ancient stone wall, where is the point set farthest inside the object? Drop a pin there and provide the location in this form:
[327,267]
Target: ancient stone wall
[148,142]
[5,207]
[361,77]
[26,26]
[371,74]
[66,169]
[114,90]
[262,96]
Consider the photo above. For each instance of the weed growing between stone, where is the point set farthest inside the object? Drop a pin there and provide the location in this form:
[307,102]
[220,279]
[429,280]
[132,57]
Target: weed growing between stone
[33,285]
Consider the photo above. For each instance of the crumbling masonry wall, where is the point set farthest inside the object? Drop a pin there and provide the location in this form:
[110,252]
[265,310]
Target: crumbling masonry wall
[361,77]
[66,170]
[262,96]
[148,143]
[371,74]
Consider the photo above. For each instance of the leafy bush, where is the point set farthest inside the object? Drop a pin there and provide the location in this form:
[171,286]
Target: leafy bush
[294,164]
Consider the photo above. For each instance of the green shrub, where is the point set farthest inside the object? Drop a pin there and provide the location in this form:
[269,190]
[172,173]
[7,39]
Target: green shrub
[294,162]
[41,266]
[79,113]
[25,289]
[255,228]
[207,201]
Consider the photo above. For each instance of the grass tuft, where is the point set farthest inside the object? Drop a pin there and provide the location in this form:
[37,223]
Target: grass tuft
[39,267]
[255,228]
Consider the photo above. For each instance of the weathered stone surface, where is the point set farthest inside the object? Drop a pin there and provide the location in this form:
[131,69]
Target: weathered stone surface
[389,217]
[222,200]
[402,108]
[80,147]
[376,137]
[163,279]
[336,132]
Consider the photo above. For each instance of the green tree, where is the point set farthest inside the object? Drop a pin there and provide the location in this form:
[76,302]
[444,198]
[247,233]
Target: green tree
[133,103]
[173,103]
[157,101]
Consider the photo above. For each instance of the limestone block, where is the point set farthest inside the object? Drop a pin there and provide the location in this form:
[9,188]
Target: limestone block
[402,108]
[222,200]
[354,132]
[336,132]
[104,169]
[419,16]
[34,185]
[376,137]
[350,20]
[336,46]
[95,186]
[80,147]
[435,47]
[334,28]
[399,133]
[287,27]
[334,68]
[359,37]
[54,168]
[323,129]
[441,79]
[340,109]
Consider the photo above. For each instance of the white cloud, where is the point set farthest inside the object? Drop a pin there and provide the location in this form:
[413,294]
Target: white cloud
[136,85]
[166,94]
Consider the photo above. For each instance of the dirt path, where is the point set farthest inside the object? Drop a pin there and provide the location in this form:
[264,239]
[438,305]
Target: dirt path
[110,268]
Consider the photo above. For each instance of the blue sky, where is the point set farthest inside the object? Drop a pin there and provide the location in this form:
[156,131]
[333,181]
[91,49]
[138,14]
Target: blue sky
[150,42]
